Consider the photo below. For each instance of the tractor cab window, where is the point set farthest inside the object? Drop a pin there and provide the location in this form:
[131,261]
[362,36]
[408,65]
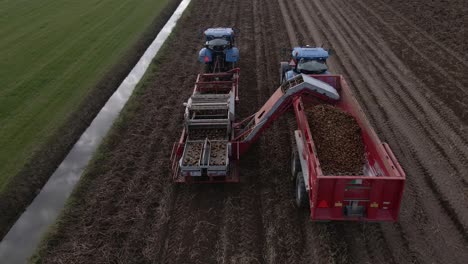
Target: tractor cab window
[217,44]
[312,66]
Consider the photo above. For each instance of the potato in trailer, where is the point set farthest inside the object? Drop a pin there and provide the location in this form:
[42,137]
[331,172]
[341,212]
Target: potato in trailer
[375,195]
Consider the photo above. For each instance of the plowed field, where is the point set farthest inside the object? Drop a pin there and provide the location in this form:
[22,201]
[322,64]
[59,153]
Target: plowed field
[411,85]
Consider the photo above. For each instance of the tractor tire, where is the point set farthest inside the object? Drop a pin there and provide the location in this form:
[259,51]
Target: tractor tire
[295,164]
[208,68]
[302,199]
[284,67]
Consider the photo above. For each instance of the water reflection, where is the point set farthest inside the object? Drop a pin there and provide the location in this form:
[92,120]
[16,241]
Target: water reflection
[23,238]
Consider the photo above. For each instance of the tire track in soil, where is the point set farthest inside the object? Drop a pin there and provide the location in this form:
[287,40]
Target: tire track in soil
[417,44]
[451,145]
[242,235]
[444,77]
[345,57]
[425,36]
[195,227]
[456,161]
[444,21]
[444,113]
[284,242]
[289,28]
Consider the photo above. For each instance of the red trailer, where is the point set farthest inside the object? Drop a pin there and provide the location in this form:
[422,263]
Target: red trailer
[373,196]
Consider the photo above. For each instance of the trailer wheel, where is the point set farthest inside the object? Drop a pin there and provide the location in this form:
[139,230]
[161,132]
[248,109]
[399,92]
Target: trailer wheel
[302,199]
[284,67]
[295,164]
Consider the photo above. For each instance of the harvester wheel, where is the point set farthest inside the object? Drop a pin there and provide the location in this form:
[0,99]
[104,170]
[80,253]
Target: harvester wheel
[302,199]
[284,67]
[295,164]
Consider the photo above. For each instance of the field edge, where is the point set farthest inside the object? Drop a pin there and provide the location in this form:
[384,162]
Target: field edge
[24,186]
[93,169]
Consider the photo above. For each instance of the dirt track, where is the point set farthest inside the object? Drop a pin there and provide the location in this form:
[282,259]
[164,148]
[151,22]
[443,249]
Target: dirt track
[134,214]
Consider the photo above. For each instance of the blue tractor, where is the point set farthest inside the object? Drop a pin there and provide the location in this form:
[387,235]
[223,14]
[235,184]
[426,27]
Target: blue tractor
[307,60]
[219,53]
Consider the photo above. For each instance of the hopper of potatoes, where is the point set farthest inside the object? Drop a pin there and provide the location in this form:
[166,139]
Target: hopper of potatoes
[206,152]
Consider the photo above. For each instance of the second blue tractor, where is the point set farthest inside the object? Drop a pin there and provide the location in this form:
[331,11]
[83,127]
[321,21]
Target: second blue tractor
[307,60]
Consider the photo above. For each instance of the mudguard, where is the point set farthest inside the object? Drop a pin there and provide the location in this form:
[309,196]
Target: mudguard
[232,54]
[205,55]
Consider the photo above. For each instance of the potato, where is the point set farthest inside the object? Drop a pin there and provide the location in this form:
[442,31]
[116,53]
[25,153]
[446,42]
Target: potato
[338,140]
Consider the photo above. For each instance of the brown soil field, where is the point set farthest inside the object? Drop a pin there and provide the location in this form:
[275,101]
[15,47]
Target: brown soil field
[131,212]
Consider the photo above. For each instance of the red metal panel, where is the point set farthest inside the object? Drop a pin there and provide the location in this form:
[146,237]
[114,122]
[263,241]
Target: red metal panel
[375,198]
[336,191]
[223,82]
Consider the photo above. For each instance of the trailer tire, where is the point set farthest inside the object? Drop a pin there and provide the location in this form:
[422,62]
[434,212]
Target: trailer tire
[295,164]
[284,67]
[302,199]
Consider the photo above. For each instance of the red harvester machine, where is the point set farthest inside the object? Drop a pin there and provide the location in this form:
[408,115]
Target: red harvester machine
[213,141]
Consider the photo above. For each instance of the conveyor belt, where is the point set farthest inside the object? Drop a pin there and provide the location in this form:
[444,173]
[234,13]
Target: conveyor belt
[282,100]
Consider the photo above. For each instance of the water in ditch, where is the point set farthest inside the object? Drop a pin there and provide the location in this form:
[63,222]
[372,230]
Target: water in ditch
[23,238]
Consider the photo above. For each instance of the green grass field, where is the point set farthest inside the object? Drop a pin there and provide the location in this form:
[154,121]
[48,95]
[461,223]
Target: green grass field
[52,52]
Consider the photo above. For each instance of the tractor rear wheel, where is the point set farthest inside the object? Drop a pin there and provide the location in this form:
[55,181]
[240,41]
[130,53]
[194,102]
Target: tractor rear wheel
[284,67]
[302,199]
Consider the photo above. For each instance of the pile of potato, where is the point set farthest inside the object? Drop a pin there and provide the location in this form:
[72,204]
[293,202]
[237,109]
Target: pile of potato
[338,140]
[218,153]
[193,153]
[211,134]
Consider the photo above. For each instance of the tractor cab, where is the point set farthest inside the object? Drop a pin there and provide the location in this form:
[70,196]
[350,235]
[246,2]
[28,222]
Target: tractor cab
[219,53]
[226,34]
[307,60]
